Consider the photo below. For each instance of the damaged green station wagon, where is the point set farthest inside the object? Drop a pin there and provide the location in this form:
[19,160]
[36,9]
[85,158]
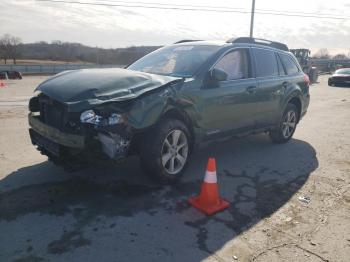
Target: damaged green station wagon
[168,102]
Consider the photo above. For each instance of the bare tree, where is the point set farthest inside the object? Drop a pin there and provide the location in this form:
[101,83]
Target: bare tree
[10,47]
[340,57]
[322,53]
[4,48]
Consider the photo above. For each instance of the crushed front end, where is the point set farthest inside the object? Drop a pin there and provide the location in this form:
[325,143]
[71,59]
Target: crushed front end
[71,138]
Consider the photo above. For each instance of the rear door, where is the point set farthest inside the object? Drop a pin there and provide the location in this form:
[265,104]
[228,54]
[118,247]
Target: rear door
[270,87]
[294,78]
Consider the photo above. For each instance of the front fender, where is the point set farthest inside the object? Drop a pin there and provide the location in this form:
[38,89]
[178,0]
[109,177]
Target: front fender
[148,109]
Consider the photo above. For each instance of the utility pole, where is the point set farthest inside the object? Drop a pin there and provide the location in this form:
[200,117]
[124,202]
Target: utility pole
[252,19]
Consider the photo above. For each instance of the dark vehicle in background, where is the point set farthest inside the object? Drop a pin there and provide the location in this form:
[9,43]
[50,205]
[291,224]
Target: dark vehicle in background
[10,75]
[163,106]
[341,77]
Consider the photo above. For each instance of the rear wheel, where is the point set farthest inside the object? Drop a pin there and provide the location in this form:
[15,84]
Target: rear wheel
[284,132]
[165,151]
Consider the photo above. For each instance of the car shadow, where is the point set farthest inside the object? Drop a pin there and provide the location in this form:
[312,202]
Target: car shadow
[118,214]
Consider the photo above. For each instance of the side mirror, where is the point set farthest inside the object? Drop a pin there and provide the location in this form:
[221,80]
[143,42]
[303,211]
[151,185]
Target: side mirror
[218,74]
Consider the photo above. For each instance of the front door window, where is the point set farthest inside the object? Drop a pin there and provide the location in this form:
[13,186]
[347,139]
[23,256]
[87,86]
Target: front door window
[235,65]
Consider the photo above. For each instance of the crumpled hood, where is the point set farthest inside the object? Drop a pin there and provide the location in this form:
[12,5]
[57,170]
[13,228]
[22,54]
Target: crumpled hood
[81,89]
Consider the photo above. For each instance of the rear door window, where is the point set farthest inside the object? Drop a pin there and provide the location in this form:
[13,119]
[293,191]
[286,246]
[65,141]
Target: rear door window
[266,63]
[289,64]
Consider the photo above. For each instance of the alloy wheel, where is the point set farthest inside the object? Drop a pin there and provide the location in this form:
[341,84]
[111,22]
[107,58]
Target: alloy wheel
[174,151]
[289,123]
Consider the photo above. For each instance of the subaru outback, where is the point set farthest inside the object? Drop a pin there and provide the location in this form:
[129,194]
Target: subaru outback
[167,103]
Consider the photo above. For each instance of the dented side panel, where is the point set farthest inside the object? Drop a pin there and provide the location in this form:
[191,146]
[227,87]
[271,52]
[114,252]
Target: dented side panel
[147,110]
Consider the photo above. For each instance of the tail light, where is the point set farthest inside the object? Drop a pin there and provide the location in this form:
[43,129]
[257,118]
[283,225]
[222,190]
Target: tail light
[306,79]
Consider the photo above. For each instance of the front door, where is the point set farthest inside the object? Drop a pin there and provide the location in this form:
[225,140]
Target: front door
[229,106]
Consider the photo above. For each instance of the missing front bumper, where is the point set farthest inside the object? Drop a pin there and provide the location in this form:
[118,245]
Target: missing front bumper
[55,135]
[114,145]
[52,140]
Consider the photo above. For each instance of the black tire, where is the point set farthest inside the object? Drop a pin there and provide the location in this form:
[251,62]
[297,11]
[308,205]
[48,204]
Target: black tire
[330,83]
[278,135]
[153,147]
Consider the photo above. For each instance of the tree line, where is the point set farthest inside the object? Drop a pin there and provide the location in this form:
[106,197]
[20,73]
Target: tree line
[324,53]
[11,47]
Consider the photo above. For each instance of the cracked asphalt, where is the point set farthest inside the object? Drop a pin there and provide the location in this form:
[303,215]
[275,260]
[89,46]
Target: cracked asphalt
[108,213]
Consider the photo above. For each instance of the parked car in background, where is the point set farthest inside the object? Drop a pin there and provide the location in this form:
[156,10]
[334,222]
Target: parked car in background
[3,75]
[168,102]
[341,77]
[10,75]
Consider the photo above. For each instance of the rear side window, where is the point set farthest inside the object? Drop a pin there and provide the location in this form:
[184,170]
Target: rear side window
[281,70]
[289,64]
[266,63]
[235,64]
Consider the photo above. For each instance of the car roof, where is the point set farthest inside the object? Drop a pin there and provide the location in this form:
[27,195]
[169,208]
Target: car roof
[344,68]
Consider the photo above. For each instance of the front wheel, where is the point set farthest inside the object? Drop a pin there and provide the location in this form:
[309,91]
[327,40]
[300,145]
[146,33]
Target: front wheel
[165,151]
[284,132]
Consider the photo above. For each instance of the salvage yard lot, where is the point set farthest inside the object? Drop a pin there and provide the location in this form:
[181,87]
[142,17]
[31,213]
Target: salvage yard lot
[118,214]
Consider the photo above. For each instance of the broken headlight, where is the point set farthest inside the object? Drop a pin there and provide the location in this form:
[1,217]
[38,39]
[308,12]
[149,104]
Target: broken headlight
[90,117]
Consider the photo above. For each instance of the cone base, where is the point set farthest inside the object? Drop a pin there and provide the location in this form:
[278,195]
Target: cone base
[209,210]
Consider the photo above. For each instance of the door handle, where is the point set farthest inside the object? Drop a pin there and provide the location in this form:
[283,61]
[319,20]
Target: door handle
[251,89]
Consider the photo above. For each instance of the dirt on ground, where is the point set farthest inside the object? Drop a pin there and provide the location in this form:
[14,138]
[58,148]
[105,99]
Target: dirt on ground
[288,202]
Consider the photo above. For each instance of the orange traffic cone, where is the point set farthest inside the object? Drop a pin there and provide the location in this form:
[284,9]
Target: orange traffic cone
[209,200]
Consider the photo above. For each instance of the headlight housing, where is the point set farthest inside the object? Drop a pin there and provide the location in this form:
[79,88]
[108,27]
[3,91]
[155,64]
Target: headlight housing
[90,117]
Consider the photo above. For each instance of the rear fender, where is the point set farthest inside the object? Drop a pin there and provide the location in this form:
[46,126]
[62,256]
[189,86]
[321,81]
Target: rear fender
[294,94]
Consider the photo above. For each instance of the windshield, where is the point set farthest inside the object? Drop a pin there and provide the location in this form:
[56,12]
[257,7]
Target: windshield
[176,60]
[345,71]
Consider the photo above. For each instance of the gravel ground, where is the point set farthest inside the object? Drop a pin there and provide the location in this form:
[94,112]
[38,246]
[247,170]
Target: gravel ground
[117,214]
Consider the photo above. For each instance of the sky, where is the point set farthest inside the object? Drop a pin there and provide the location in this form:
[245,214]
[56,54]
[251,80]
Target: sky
[112,27]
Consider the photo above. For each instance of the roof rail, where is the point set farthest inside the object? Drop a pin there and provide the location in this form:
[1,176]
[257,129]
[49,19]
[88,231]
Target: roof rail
[258,41]
[187,40]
